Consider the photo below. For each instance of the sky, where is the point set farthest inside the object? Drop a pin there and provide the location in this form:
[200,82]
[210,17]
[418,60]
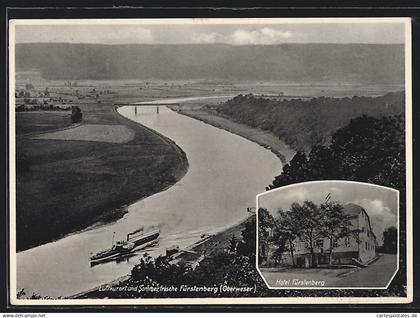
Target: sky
[204,33]
[380,203]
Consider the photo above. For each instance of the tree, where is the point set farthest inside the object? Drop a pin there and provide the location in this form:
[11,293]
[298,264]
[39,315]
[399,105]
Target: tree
[29,86]
[293,172]
[158,270]
[281,244]
[233,244]
[322,164]
[247,246]
[368,149]
[390,240]
[76,114]
[372,150]
[335,225]
[287,230]
[309,220]
[265,226]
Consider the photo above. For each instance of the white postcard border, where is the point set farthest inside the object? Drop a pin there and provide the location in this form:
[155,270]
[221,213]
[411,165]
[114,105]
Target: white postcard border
[210,301]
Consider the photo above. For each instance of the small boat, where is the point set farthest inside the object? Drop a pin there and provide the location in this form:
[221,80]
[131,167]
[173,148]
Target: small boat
[122,248]
[172,250]
[118,249]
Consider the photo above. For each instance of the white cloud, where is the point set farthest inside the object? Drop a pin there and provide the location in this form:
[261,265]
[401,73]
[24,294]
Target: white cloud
[283,198]
[206,37]
[243,37]
[263,36]
[380,215]
[295,195]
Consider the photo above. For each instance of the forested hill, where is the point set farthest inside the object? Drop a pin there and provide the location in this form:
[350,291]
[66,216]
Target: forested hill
[305,123]
[338,63]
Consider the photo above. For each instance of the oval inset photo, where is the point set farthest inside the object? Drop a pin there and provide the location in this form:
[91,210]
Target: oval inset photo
[328,234]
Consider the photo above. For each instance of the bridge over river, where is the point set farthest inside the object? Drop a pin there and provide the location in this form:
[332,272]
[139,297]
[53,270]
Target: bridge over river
[148,104]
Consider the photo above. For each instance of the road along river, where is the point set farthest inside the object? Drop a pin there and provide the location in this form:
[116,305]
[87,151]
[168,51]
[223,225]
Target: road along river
[225,173]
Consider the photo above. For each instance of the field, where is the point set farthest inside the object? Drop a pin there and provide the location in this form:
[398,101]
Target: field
[34,122]
[71,179]
[100,133]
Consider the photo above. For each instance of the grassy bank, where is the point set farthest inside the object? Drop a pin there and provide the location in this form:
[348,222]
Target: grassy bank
[67,185]
[257,135]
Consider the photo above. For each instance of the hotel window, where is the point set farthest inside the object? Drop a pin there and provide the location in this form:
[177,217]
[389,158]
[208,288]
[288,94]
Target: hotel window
[347,242]
[320,243]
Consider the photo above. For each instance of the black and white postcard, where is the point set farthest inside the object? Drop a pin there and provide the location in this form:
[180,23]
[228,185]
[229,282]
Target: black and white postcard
[210,161]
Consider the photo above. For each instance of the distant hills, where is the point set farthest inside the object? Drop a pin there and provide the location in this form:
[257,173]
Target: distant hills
[326,63]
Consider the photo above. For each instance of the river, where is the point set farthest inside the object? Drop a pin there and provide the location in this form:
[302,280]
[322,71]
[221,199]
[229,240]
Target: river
[225,173]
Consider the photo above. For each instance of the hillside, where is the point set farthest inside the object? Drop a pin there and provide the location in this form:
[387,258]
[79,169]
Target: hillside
[328,63]
[305,123]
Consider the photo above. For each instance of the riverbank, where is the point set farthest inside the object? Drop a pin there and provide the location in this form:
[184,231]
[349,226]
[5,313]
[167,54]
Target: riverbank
[265,139]
[208,246]
[65,186]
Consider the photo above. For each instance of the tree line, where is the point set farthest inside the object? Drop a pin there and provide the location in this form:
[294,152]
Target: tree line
[368,149]
[302,124]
